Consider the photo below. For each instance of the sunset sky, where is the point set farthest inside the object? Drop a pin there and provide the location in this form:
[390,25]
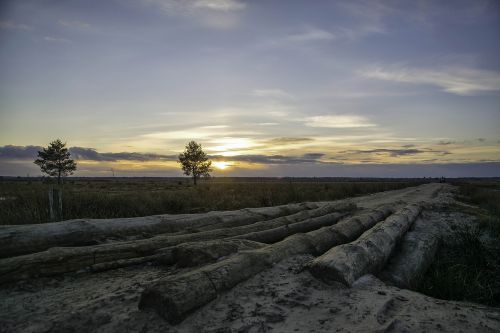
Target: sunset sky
[269,88]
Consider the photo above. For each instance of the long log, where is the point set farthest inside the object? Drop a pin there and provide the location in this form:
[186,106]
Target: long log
[176,296]
[415,255]
[24,239]
[368,254]
[59,260]
[186,254]
[203,252]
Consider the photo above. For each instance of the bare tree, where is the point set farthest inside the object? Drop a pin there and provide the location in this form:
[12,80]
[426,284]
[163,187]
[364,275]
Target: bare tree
[195,162]
[55,160]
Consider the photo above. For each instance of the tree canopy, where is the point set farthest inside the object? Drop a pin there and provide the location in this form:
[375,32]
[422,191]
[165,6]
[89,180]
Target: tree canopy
[55,160]
[195,162]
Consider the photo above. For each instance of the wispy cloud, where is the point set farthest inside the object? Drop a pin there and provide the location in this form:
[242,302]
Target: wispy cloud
[57,40]
[455,80]
[338,121]
[396,152]
[9,25]
[77,25]
[274,159]
[271,93]
[223,5]
[218,14]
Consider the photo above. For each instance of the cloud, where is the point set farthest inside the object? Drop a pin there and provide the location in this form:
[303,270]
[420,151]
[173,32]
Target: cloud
[56,39]
[338,121]
[19,152]
[11,152]
[77,25]
[273,159]
[396,152]
[218,14]
[271,93]
[222,5]
[287,140]
[454,80]
[445,143]
[9,25]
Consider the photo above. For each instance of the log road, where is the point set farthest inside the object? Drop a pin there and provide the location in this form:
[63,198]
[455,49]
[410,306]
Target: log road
[347,239]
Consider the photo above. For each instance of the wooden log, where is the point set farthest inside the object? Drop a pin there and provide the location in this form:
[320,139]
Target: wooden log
[24,239]
[176,296]
[59,260]
[415,255]
[368,254]
[186,254]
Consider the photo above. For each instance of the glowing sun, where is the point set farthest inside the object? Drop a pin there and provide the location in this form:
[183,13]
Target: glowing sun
[221,165]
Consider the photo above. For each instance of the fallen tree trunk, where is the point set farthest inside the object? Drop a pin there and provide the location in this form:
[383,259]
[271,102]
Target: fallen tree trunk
[59,260]
[190,254]
[186,254]
[176,296]
[24,239]
[368,254]
[417,251]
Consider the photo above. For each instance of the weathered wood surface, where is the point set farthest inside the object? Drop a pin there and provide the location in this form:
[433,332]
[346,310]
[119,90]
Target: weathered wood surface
[369,253]
[24,239]
[59,260]
[174,297]
[416,253]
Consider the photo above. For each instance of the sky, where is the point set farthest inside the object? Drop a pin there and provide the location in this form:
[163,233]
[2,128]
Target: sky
[269,88]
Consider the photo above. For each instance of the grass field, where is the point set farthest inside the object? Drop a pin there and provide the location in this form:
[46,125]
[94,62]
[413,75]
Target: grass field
[468,269]
[26,201]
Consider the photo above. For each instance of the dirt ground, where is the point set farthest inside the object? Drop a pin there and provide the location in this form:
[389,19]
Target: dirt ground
[284,298]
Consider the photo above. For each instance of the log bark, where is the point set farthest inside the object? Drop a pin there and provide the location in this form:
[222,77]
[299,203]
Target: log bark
[24,239]
[415,255]
[186,254]
[59,260]
[368,254]
[176,296]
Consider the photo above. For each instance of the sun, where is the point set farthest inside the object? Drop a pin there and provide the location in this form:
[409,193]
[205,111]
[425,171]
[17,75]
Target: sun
[221,165]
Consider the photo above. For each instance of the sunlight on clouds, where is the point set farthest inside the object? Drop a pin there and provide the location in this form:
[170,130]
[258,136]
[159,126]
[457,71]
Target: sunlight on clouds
[338,121]
[228,146]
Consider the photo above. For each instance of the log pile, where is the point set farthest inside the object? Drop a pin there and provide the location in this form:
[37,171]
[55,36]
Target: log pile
[174,297]
[57,260]
[369,253]
[23,239]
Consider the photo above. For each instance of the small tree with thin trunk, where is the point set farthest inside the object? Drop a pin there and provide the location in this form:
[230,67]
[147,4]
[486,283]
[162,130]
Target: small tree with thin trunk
[195,162]
[55,160]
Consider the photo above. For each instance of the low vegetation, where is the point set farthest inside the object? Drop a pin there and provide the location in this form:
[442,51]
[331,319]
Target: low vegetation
[25,201]
[468,267]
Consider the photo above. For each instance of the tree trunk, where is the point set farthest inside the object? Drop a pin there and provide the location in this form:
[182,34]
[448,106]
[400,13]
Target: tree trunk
[68,259]
[176,296]
[417,251]
[24,239]
[368,254]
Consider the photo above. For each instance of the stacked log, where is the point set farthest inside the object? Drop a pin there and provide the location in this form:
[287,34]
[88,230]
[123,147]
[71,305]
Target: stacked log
[24,239]
[368,254]
[176,296]
[59,260]
[415,255]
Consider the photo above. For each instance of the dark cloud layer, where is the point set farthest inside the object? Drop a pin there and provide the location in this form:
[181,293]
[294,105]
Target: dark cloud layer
[274,159]
[397,152]
[80,153]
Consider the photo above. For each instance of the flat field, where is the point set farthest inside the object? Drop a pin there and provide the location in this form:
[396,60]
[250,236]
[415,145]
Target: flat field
[25,201]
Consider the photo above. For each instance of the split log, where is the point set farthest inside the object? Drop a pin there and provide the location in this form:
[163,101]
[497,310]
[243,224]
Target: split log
[368,254]
[415,255]
[59,260]
[176,296]
[24,239]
